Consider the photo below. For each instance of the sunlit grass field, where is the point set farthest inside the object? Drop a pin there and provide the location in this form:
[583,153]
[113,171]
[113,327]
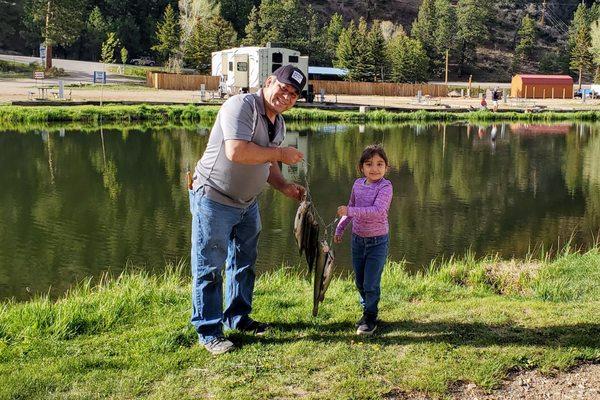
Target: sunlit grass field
[464,320]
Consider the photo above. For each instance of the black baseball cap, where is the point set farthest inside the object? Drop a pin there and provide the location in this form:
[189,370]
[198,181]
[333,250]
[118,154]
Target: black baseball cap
[291,75]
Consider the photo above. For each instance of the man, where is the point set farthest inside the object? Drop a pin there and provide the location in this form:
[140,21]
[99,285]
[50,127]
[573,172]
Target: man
[241,156]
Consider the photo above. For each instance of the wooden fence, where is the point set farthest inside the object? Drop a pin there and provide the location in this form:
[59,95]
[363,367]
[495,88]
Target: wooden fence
[163,80]
[378,89]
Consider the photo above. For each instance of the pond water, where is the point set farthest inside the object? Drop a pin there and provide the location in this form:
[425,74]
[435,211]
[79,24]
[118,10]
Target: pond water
[78,201]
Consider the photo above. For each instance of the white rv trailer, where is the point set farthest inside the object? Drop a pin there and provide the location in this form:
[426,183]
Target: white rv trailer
[245,69]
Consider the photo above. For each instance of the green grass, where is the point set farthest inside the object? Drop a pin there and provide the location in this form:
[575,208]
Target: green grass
[193,113]
[183,113]
[134,70]
[464,320]
[10,69]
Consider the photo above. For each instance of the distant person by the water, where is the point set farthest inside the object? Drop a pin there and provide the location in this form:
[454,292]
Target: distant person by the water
[495,99]
[368,207]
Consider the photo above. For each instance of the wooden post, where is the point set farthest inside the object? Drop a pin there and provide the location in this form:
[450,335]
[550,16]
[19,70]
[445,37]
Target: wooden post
[446,67]
[552,93]
[564,93]
[544,94]
[533,96]
[525,91]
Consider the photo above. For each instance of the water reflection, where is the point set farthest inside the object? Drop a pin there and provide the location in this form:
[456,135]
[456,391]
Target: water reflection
[77,201]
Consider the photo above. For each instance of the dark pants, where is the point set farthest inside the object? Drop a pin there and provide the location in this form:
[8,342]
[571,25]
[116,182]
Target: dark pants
[368,258]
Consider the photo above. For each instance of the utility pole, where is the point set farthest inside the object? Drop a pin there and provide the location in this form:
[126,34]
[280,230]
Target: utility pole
[447,51]
[543,12]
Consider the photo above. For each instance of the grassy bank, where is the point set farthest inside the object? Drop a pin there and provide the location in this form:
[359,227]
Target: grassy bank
[191,113]
[469,320]
[133,70]
[10,69]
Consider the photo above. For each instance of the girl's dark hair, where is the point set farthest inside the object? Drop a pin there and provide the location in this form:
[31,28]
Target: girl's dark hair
[369,152]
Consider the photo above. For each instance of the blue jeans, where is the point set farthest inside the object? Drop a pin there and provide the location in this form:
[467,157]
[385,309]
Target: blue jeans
[368,258]
[221,235]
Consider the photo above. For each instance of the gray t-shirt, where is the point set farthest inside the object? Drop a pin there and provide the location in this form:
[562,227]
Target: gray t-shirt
[241,117]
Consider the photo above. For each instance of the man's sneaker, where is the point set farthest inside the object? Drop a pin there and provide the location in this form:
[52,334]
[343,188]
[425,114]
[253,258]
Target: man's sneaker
[218,345]
[254,327]
[367,328]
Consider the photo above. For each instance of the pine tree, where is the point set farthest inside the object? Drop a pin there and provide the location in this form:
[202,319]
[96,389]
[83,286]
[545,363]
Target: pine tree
[408,59]
[472,18]
[346,51]
[580,42]
[424,26]
[595,48]
[109,47]
[332,36]
[364,67]
[236,12]
[209,35]
[594,13]
[224,35]
[57,21]
[527,36]
[167,34]
[445,33]
[284,22]
[435,27]
[376,42]
[96,29]
[253,36]
[314,43]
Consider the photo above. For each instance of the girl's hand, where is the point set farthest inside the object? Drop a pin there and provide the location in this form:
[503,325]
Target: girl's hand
[337,239]
[342,211]
[293,191]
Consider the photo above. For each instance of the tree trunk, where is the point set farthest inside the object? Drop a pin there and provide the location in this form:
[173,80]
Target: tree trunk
[47,39]
[580,71]
[48,56]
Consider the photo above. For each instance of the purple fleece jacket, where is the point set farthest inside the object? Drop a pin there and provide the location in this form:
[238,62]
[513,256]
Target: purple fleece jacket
[368,208]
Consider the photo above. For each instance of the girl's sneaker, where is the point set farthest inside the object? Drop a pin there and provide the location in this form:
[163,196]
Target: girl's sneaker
[361,321]
[367,328]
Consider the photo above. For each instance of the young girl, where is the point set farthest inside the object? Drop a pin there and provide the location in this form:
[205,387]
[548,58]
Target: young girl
[368,210]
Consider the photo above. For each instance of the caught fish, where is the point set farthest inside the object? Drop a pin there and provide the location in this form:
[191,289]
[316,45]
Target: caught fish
[327,274]
[299,221]
[311,245]
[323,275]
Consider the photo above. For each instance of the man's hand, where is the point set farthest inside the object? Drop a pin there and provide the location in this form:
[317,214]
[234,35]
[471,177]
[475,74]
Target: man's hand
[290,155]
[337,239]
[342,211]
[293,191]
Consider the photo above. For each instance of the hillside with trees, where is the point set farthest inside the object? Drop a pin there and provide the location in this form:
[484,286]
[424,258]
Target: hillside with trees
[375,40]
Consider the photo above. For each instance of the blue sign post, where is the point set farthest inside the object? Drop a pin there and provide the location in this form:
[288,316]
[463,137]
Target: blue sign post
[43,54]
[99,77]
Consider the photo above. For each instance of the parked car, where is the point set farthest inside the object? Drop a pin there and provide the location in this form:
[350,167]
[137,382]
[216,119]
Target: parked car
[147,61]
